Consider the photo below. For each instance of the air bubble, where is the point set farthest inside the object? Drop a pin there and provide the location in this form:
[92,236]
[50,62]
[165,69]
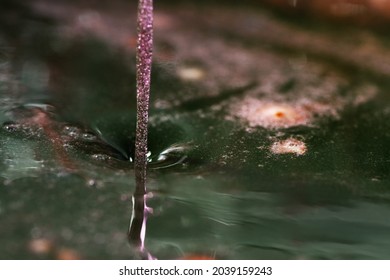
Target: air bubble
[91,182]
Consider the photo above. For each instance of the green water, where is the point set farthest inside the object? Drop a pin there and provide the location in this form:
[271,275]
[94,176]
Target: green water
[217,188]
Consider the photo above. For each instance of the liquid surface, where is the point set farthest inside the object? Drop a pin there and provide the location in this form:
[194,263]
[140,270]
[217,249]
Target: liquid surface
[261,145]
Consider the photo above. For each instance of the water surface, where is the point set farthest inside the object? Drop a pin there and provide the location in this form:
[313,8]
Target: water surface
[268,139]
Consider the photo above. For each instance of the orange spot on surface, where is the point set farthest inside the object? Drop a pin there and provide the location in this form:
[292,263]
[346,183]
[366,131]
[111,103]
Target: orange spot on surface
[197,257]
[257,112]
[279,114]
[67,254]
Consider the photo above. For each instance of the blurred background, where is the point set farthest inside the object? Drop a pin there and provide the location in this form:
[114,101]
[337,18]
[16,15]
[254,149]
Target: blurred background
[268,129]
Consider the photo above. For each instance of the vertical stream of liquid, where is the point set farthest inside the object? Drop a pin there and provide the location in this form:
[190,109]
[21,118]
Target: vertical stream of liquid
[136,234]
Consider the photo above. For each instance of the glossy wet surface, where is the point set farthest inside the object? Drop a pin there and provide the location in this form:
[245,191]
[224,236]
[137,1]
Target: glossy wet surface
[268,139]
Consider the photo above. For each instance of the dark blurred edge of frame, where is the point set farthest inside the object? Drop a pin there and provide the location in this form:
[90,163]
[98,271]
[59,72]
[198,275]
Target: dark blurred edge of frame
[370,16]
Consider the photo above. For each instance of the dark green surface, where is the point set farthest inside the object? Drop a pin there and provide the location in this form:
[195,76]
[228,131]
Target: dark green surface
[220,192]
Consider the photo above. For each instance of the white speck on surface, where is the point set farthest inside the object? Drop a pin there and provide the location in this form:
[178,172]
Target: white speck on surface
[289,146]
[190,73]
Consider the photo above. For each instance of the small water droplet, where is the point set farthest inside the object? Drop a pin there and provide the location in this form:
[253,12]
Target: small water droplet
[91,182]
[95,183]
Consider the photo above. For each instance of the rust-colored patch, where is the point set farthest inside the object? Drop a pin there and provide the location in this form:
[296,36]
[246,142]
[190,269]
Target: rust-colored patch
[41,246]
[197,257]
[268,114]
[279,114]
[67,254]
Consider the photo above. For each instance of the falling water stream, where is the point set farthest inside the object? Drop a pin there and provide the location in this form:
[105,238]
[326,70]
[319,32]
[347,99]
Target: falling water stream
[267,136]
[144,69]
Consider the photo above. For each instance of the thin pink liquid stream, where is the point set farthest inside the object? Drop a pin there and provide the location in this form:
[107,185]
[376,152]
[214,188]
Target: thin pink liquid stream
[137,230]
